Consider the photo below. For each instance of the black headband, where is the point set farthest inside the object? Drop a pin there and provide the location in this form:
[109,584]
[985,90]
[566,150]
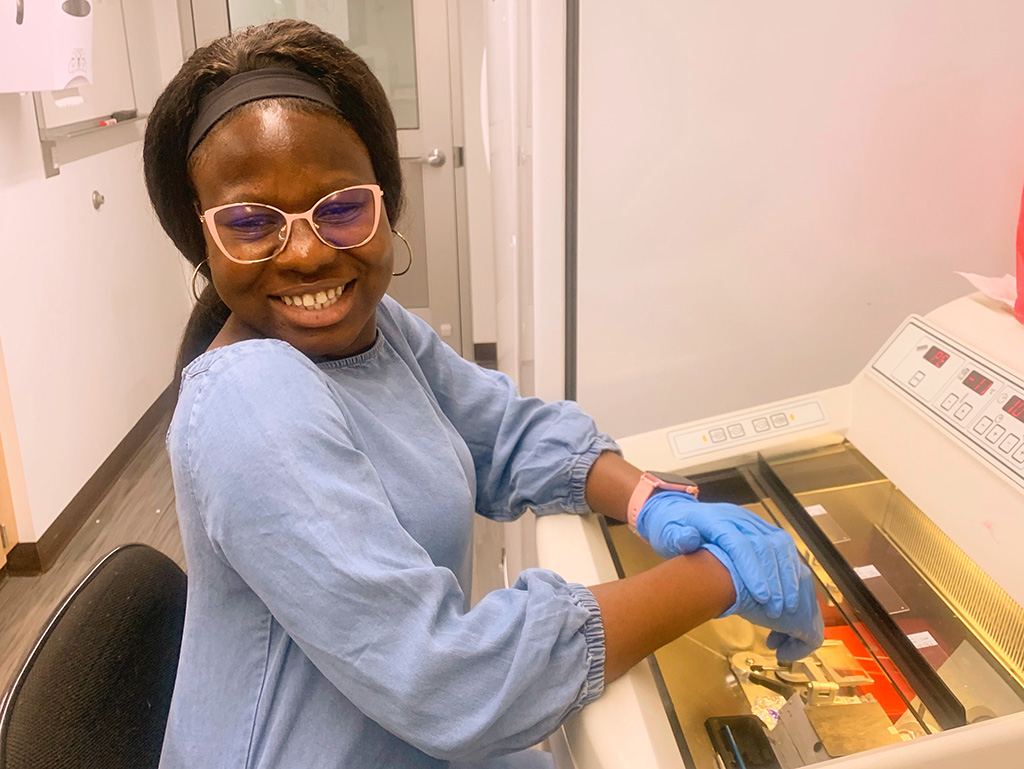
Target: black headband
[251,86]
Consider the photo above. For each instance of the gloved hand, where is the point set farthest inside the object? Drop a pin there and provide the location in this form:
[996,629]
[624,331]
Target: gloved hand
[795,634]
[764,555]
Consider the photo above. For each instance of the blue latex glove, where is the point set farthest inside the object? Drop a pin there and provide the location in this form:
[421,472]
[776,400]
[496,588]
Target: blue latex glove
[764,555]
[794,634]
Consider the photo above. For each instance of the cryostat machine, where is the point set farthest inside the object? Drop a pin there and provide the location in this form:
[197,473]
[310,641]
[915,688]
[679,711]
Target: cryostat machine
[904,492]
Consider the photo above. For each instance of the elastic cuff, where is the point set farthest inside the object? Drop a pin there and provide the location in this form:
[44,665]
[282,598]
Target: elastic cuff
[736,584]
[593,634]
[581,467]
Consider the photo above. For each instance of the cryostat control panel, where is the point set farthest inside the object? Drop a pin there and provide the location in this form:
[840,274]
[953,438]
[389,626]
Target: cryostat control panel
[980,402]
[748,427]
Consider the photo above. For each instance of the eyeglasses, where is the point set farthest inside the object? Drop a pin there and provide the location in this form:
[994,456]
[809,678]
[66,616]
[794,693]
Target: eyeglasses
[256,232]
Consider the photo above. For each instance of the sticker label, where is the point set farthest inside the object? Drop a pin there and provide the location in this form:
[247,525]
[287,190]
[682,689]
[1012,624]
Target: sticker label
[922,640]
[814,510]
[867,572]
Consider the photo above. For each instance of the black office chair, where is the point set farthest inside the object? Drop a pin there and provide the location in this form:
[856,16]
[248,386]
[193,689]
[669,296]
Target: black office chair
[96,688]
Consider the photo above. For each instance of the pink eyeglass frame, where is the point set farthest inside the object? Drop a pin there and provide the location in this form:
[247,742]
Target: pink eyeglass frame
[207,218]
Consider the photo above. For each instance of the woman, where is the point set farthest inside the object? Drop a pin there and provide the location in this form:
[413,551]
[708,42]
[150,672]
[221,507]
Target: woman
[329,451]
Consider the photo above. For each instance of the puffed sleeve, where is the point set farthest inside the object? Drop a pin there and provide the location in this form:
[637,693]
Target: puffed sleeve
[292,505]
[527,453]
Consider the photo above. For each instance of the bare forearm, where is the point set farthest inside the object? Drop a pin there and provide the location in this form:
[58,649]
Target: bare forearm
[644,612]
[610,483]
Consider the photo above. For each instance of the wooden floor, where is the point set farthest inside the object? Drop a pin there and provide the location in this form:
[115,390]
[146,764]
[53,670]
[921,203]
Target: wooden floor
[138,508]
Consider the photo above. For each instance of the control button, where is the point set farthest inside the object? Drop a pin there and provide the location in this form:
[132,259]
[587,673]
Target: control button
[983,424]
[1019,455]
[736,431]
[780,420]
[963,411]
[1009,444]
[995,434]
[717,435]
[949,402]
[761,424]
[916,379]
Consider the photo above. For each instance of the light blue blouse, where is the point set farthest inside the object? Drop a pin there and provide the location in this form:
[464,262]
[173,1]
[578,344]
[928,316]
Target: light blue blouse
[326,513]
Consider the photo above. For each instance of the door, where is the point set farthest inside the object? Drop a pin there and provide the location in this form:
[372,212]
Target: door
[406,44]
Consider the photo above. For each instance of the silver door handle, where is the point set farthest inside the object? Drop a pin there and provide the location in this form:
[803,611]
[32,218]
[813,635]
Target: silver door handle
[435,159]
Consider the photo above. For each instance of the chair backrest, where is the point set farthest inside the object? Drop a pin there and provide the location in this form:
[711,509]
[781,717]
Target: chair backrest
[95,690]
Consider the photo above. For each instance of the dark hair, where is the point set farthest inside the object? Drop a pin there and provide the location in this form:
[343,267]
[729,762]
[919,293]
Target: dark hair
[285,43]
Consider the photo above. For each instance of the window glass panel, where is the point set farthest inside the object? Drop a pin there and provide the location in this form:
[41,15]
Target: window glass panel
[380,31]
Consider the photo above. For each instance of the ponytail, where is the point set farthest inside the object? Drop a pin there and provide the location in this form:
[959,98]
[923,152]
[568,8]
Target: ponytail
[207,319]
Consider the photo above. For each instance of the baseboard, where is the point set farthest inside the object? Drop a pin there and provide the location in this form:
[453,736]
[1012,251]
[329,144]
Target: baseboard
[36,557]
[24,559]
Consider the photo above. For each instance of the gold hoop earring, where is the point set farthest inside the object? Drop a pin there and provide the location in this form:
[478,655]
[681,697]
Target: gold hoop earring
[195,294]
[409,249]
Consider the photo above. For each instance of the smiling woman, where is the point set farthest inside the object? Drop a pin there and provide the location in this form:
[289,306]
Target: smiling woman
[263,79]
[329,451]
[286,279]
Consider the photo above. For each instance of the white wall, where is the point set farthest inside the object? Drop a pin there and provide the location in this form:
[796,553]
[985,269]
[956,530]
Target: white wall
[93,303]
[507,130]
[526,95]
[472,43]
[766,189]
[547,129]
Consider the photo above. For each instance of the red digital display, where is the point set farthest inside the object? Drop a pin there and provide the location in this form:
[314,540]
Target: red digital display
[936,357]
[1015,408]
[980,384]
